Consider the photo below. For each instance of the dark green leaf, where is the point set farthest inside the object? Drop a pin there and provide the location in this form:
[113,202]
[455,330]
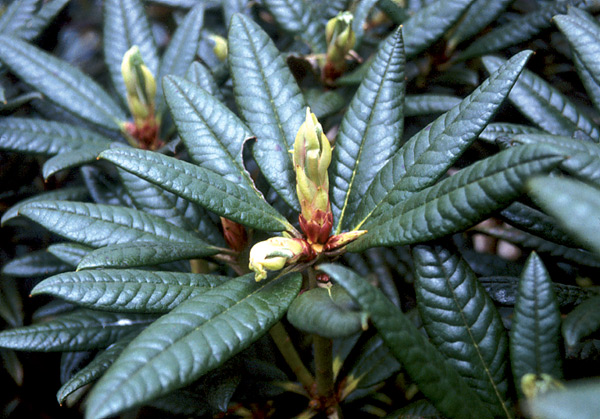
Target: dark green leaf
[35,264]
[463,323]
[436,378]
[194,338]
[579,400]
[11,303]
[375,363]
[80,330]
[295,17]
[582,321]
[458,202]
[416,105]
[231,7]
[574,204]
[86,154]
[67,194]
[535,331]
[393,10]
[127,290]
[591,87]
[45,137]
[370,131]
[181,51]
[503,129]
[213,135]
[129,255]
[428,24]
[16,15]
[201,76]
[13,366]
[269,100]
[62,84]
[361,14]
[330,313]
[126,25]
[431,152]
[70,253]
[201,186]
[545,106]
[34,27]
[94,369]
[99,225]
[325,103]
[521,28]
[420,408]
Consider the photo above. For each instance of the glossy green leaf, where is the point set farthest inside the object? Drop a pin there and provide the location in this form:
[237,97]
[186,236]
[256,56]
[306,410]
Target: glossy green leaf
[519,29]
[458,202]
[574,204]
[535,330]
[181,51]
[62,84]
[504,129]
[126,25]
[394,11]
[375,363]
[201,186]
[128,255]
[191,340]
[428,155]
[479,15]
[127,290]
[361,14]
[417,105]
[269,101]
[428,24]
[80,330]
[99,225]
[582,321]
[296,17]
[545,106]
[39,21]
[370,131]
[231,7]
[70,253]
[463,323]
[330,313]
[86,154]
[35,264]
[325,103]
[75,193]
[591,87]
[579,400]
[94,369]
[436,378]
[45,137]
[16,15]
[213,135]
[201,76]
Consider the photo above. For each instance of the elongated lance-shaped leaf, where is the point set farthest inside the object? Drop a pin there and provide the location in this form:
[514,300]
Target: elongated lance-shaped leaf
[201,186]
[361,14]
[153,199]
[427,156]
[99,225]
[39,263]
[94,369]
[582,321]
[183,46]
[545,106]
[416,105]
[61,83]
[81,330]
[201,76]
[436,378]
[480,14]
[497,130]
[70,253]
[16,15]
[127,290]
[460,201]
[535,330]
[86,154]
[520,29]
[574,204]
[126,25]
[196,337]
[213,135]
[44,137]
[463,323]
[584,156]
[44,16]
[370,131]
[296,17]
[269,100]
[591,87]
[231,7]
[66,194]
[129,255]
[428,24]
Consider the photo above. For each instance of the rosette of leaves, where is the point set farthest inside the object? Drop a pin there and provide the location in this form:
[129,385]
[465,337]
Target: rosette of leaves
[129,254]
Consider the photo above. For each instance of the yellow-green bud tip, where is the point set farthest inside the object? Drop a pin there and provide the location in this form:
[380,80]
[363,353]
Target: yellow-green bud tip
[220,48]
[139,83]
[272,255]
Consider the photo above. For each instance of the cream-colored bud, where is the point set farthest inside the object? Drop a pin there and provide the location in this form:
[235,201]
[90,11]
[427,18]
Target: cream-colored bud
[273,254]
[220,48]
[533,385]
[139,83]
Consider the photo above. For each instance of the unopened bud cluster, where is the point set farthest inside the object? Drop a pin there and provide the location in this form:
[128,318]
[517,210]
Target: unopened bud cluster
[340,40]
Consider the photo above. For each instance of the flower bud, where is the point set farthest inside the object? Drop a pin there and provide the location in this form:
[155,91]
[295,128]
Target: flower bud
[220,48]
[340,240]
[235,234]
[274,253]
[533,385]
[140,85]
[340,41]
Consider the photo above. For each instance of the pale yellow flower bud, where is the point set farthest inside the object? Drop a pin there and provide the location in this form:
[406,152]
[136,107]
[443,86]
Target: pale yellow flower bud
[533,385]
[139,83]
[220,48]
[273,254]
